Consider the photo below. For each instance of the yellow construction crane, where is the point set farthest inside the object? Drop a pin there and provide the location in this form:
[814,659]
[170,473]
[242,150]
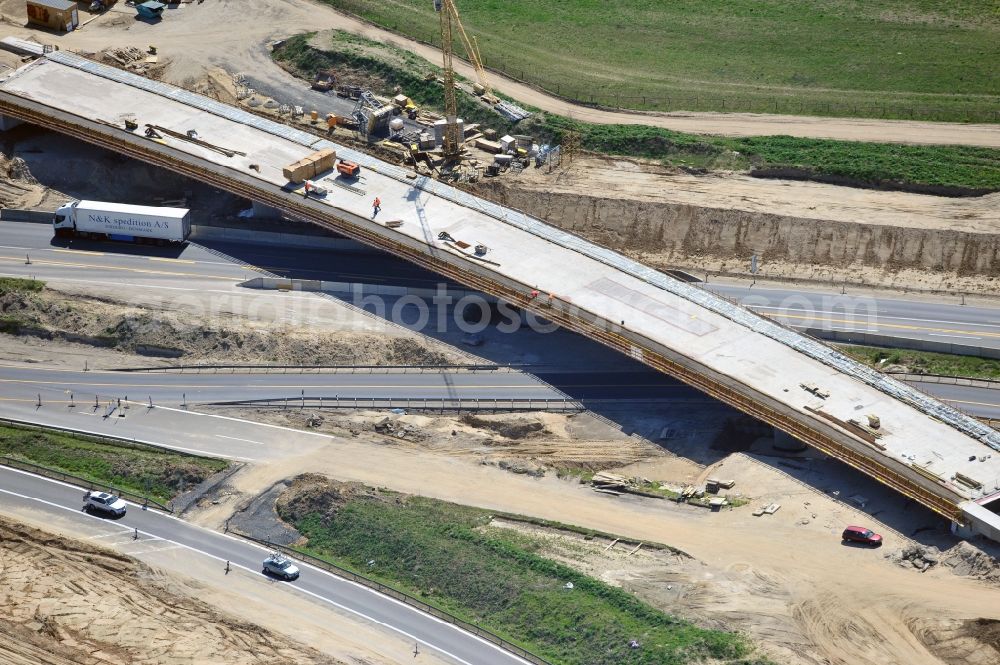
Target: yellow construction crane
[449,14]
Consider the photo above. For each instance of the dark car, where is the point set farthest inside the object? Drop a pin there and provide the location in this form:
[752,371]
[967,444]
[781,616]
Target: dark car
[859,534]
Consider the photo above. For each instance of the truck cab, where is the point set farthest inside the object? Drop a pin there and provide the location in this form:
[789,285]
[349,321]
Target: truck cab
[62,220]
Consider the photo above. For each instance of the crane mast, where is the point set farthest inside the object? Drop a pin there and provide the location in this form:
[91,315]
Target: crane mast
[452,144]
[449,17]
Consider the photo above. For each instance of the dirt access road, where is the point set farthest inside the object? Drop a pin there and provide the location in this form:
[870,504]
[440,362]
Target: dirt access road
[232,34]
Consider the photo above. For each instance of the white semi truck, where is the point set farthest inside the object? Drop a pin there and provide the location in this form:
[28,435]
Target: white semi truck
[100,220]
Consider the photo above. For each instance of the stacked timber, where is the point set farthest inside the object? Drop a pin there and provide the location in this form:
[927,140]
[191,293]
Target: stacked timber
[610,483]
[319,162]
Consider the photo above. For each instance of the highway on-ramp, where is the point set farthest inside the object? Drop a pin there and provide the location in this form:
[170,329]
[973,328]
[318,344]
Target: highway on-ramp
[21,491]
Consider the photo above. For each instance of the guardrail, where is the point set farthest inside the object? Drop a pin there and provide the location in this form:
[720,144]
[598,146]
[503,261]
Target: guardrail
[54,474]
[319,369]
[481,633]
[413,404]
[989,384]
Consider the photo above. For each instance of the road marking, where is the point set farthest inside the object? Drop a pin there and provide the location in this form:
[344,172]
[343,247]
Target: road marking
[168,446]
[989,324]
[958,336]
[169,260]
[898,326]
[78,251]
[291,588]
[236,438]
[964,401]
[122,268]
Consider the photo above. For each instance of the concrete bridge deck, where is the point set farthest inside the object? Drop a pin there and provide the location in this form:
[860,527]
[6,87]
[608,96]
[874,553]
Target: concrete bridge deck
[924,449]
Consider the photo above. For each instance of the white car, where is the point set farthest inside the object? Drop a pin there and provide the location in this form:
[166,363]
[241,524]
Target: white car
[104,502]
[281,566]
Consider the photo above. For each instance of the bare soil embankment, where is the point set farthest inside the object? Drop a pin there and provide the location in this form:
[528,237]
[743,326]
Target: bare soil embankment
[66,602]
[135,331]
[799,230]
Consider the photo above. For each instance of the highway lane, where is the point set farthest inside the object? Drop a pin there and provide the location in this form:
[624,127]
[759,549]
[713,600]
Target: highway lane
[226,263]
[221,260]
[980,402]
[29,384]
[949,322]
[170,388]
[20,491]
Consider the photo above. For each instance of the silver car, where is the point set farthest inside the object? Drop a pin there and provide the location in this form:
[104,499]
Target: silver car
[104,502]
[281,566]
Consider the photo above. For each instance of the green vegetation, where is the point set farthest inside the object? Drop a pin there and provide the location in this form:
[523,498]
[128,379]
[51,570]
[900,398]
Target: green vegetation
[939,169]
[445,554]
[20,285]
[919,59]
[923,362]
[382,67]
[152,472]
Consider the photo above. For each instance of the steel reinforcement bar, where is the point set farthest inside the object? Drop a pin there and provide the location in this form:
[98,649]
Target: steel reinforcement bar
[824,437]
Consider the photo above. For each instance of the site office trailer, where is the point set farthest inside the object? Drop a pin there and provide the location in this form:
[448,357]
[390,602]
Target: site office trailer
[54,14]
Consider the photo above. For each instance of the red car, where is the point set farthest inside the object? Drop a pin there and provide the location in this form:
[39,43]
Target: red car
[859,534]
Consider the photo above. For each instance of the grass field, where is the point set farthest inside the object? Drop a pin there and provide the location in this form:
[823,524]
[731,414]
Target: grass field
[157,474]
[942,169]
[20,285]
[897,58]
[442,553]
[923,362]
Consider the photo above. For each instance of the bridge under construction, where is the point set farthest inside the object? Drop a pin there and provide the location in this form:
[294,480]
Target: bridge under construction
[907,440]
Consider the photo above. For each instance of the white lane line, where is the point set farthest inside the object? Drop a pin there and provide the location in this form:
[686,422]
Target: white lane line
[149,550]
[958,336]
[254,573]
[247,422]
[158,445]
[876,316]
[236,438]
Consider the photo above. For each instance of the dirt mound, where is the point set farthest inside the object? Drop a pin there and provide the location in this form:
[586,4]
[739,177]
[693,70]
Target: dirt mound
[517,428]
[65,602]
[98,322]
[967,560]
[970,642]
[17,169]
[311,493]
[916,556]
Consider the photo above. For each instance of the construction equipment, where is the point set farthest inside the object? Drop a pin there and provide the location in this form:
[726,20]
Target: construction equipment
[482,86]
[324,81]
[151,10]
[371,115]
[349,169]
[451,140]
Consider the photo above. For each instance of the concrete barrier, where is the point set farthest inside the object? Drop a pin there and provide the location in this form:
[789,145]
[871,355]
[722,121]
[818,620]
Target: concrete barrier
[30,216]
[890,341]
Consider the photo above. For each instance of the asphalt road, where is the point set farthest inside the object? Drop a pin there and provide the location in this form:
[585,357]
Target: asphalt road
[23,491]
[949,322]
[221,265]
[225,263]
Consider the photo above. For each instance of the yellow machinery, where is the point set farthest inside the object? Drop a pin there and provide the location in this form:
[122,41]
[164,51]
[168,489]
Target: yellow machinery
[449,15]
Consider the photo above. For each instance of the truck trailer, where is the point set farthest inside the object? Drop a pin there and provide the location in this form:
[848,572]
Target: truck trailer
[100,220]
